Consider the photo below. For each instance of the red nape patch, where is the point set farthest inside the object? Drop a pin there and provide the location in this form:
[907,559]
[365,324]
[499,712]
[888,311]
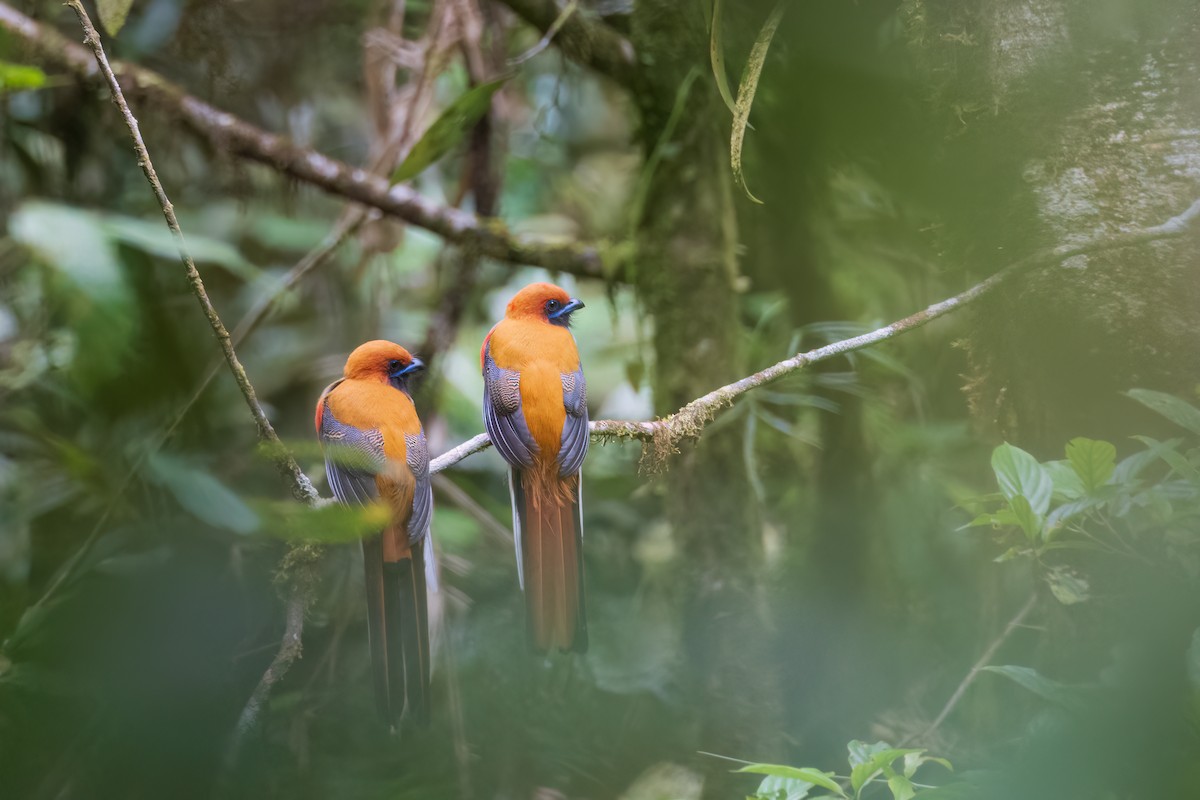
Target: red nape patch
[320,408]
[483,348]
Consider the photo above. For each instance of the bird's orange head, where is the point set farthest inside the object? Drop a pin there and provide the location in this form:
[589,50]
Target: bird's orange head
[544,301]
[383,361]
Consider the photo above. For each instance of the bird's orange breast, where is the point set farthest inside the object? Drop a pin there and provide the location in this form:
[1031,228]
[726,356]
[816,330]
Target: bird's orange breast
[375,405]
[540,353]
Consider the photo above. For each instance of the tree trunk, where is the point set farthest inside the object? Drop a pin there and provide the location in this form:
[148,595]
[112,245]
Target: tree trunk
[1092,119]
[686,274]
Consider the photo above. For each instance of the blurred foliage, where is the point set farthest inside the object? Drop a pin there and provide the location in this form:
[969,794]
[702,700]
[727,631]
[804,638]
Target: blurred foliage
[141,530]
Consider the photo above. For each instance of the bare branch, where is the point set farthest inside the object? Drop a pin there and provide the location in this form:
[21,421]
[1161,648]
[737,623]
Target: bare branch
[301,486]
[970,677]
[290,649]
[582,38]
[225,131]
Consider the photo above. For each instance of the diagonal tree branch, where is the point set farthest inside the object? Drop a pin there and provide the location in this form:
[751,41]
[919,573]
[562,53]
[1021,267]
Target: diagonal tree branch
[227,132]
[301,486]
[581,37]
[689,421]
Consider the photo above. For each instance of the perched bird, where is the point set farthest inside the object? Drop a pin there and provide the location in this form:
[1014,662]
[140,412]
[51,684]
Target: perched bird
[535,411]
[375,451]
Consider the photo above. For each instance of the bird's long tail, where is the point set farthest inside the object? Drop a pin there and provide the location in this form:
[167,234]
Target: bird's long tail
[398,625]
[549,531]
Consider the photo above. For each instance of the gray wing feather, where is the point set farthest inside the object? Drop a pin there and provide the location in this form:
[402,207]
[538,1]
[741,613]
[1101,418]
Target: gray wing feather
[422,510]
[353,458]
[574,444]
[502,414]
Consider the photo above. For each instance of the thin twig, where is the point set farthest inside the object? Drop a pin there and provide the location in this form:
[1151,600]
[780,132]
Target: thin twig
[301,485]
[970,677]
[583,38]
[548,36]
[226,132]
[290,649]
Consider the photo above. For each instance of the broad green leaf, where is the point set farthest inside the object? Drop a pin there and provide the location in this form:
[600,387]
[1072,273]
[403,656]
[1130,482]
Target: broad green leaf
[1132,466]
[814,776]
[746,91]
[774,787]
[913,761]
[868,760]
[1179,411]
[201,494]
[1034,681]
[1029,520]
[20,77]
[1020,474]
[1066,482]
[1175,459]
[113,14]
[155,238]
[1066,586]
[73,241]
[448,129]
[1093,461]
[902,788]
[101,310]
[716,50]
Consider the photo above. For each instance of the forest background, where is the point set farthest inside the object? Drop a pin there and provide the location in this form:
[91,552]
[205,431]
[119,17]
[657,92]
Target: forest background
[977,542]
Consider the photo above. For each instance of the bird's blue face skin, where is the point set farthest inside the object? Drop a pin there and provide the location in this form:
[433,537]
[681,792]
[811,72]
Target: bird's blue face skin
[559,313]
[399,372]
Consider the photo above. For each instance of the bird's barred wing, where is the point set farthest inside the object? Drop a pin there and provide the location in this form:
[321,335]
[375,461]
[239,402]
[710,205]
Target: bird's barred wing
[422,505]
[574,444]
[502,414]
[353,457]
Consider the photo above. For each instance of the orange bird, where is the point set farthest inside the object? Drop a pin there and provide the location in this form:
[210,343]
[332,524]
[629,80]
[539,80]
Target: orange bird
[535,411]
[375,451]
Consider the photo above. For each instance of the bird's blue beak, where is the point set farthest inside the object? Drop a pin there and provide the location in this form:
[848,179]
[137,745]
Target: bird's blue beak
[415,365]
[571,305]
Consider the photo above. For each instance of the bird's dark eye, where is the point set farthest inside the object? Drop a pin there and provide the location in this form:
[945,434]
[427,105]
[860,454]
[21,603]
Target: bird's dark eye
[394,365]
[552,305]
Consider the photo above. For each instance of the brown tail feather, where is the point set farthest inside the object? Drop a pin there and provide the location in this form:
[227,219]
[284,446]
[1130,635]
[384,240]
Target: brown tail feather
[398,625]
[552,565]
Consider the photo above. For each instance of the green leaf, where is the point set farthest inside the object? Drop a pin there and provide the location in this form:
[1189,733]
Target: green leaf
[1132,466]
[868,760]
[113,14]
[1066,586]
[201,494]
[20,77]
[1093,461]
[746,91]
[814,776]
[913,761]
[1175,459]
[101,310]
[448,129]
[774,787]
[1177,410]
[1019,473]
[1066,482]
[902,788]
[155,238]
[1034,681]
[1030,521]
[716,50]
